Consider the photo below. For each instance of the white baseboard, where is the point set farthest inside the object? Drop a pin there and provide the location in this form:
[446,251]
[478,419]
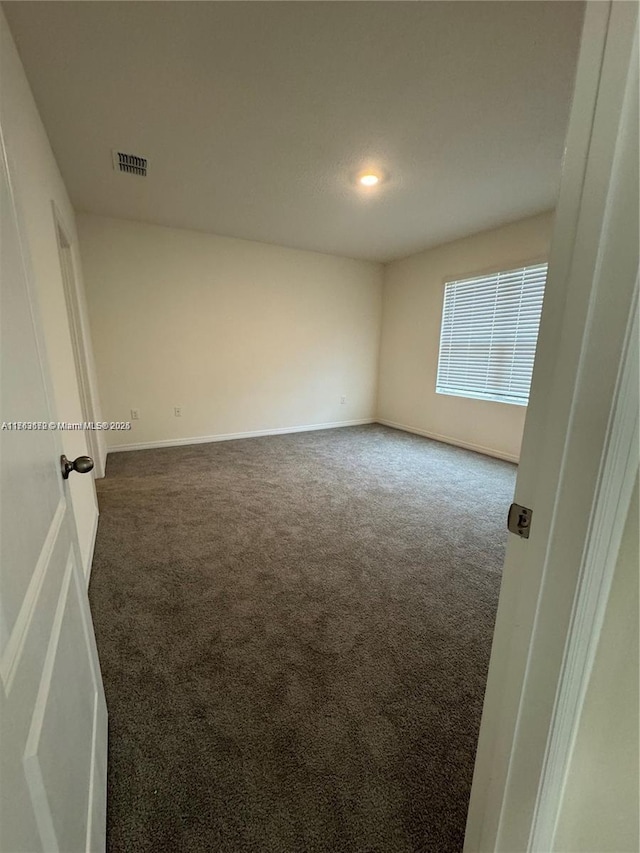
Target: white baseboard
[478,448]
[232,436]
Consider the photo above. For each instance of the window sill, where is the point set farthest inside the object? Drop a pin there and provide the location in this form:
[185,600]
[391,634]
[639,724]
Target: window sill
[469,395]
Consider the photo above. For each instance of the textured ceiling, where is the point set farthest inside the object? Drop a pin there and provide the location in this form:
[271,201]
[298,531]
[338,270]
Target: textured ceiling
[255,116]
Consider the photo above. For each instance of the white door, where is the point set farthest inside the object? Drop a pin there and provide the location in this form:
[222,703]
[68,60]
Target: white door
[53,715]
[579,437]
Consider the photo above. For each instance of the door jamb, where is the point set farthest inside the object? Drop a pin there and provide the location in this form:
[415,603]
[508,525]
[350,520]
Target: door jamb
[78,342]
[610,511]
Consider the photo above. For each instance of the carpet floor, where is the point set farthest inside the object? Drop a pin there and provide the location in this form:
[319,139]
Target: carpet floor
[294,634]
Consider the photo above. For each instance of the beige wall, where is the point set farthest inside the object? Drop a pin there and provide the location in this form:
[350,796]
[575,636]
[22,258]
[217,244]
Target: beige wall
[243,336]
[412,310]
[37,184]
[600,812]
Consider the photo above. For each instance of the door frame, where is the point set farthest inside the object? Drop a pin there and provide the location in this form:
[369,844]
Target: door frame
[90,412]
[579,458]
[610,512]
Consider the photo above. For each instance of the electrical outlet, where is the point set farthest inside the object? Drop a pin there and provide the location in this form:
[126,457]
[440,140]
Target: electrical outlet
[343,399]
[177,411]
[135,414]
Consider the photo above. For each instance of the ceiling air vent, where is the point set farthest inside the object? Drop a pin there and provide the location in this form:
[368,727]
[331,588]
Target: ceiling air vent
[131,164]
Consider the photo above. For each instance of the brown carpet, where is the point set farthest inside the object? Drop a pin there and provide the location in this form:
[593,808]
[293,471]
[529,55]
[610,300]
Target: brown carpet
[294,634]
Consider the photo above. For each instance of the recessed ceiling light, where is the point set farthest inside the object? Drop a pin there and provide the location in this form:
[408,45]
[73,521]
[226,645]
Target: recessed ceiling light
[369,179]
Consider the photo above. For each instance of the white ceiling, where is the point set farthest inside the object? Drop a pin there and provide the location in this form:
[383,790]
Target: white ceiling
[255,116]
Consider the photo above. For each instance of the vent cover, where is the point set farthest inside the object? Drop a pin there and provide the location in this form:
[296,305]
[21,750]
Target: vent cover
[130,164]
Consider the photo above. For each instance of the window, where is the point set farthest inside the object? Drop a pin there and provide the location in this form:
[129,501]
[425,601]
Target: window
[489,335]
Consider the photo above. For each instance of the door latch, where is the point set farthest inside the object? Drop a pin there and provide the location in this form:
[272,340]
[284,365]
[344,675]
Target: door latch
[519,520]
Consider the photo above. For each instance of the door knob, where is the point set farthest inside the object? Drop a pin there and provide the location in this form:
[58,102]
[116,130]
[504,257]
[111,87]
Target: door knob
[83,464]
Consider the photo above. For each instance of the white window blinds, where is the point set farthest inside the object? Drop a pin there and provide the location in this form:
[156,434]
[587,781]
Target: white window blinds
[489,335]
